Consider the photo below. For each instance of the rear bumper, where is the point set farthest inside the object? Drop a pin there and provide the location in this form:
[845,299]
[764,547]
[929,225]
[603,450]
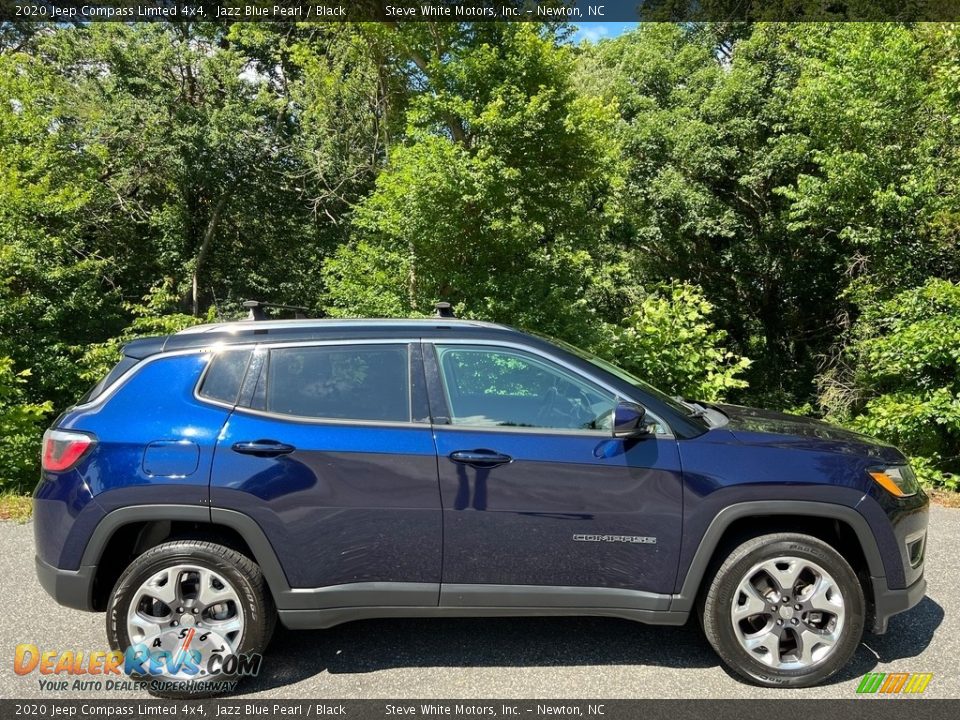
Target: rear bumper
[72,588]
[887,602]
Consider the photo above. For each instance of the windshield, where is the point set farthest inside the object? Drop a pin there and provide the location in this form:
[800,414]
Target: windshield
[677,406]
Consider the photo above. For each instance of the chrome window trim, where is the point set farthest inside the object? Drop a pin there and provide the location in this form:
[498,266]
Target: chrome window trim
[518,430]
[537,352]
[306,419]
[319,343]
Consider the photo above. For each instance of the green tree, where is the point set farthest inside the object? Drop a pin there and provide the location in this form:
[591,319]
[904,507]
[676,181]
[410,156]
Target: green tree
[196,158]
[157,314]
[903,377]
[677,199]
[55,286]
[20,428]
[777,166]
[879,132]
[706,149]
[668,339]
[494,200]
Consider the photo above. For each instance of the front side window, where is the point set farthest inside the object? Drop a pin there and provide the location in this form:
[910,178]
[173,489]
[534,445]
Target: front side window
[499,387]
[358,382]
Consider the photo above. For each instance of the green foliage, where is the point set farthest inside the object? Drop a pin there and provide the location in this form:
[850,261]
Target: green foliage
[678,199]
[706,149]
[20,430]
[668,339]
[54,287]
[15,506]
[491,199]
[775,165]
[155,316]
[902,383]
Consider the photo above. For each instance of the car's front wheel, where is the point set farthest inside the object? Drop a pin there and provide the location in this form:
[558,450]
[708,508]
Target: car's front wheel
[191,617]
[784,610]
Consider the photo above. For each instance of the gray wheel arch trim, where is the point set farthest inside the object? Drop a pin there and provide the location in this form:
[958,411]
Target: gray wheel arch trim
[684,601]
[116,519]
[246,526]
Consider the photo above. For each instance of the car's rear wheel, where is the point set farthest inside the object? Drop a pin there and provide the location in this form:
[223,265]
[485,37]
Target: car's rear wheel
[187,607]
[784,610]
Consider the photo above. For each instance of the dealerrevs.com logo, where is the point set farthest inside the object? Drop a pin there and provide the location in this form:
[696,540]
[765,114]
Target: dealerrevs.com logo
[182,660]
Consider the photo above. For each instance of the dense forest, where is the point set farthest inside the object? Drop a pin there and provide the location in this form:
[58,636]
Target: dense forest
[767,214]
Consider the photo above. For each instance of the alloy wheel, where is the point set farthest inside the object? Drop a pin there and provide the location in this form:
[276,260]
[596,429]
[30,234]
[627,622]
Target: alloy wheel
[788,613]
[186,596]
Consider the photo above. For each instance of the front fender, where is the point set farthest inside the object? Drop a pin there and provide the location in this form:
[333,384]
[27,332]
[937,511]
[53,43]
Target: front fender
[690,578]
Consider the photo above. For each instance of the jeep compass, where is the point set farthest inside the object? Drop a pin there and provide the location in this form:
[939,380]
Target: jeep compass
[317,472]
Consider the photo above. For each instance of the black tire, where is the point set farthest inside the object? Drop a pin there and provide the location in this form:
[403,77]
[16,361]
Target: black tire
[717,604]
[240,571]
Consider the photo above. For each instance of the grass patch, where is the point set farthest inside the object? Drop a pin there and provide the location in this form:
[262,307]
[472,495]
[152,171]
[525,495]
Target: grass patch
[946,498]
[15,507]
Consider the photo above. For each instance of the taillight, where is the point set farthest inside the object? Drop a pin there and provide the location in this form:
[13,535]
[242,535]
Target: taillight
[62,449]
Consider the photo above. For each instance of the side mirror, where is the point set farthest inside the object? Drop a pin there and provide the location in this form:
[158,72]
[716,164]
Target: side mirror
[628,420]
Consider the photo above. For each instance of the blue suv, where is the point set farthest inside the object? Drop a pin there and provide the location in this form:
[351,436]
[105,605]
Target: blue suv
[324,471]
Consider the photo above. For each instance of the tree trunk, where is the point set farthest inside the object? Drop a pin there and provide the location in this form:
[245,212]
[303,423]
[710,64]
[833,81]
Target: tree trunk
[412,277]
[453,123]
[205,251]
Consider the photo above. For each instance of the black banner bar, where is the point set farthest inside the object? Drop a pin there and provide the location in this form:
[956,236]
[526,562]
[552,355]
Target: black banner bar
[873,708]
[577,11]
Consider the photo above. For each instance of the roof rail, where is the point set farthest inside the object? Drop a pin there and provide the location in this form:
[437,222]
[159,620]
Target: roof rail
[257,307]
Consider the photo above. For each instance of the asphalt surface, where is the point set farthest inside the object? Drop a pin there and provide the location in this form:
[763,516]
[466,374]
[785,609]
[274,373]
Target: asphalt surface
[500,658]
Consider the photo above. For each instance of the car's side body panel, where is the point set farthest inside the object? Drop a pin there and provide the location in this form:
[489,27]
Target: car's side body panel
[720,471]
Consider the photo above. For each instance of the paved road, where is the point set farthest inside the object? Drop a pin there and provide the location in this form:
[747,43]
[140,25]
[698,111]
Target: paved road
[515,658]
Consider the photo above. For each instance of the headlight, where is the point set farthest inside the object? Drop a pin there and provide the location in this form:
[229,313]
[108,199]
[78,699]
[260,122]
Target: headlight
[898,480]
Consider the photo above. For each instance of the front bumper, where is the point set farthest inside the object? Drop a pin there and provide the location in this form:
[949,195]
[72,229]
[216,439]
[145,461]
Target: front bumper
[887,602]
[73,588]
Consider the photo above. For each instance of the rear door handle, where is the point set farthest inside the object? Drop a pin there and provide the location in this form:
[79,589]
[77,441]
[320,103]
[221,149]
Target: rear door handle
[263,448]
[480,458]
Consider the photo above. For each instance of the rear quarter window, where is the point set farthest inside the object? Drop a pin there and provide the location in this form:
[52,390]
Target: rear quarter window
[223,378]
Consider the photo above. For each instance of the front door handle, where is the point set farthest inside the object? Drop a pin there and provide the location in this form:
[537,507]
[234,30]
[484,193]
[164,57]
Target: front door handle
[263,448]
[480,458]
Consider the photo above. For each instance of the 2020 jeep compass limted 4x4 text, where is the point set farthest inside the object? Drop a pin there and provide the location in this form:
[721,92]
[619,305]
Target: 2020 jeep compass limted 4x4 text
[323,471]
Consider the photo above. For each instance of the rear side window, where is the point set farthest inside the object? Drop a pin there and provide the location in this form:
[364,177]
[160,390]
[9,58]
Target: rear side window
[358,382]
[224,377]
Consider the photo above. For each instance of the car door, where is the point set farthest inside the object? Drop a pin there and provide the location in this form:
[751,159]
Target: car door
[330,452]
[537,492]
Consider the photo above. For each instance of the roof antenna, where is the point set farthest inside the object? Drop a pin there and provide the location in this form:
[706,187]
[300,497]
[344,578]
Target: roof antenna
[444,310]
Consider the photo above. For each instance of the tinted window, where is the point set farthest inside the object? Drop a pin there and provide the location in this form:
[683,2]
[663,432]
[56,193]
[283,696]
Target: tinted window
[507,388]
[223,379]
[624,375]
[360,382]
